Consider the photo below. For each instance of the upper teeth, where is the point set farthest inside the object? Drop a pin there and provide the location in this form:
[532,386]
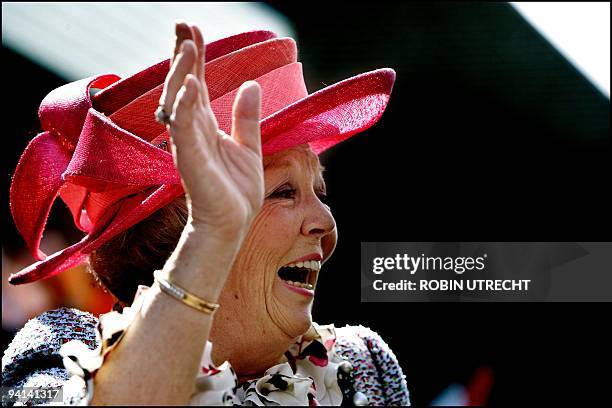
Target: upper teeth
[312,265]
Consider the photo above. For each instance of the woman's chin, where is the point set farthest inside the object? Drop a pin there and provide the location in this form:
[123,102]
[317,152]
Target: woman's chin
[299,324]
[294,307]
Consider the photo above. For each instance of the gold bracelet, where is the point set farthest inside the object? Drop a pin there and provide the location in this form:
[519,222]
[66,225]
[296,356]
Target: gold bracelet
[181,294]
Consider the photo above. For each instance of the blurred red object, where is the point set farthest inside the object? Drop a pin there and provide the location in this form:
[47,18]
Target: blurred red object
[479,387]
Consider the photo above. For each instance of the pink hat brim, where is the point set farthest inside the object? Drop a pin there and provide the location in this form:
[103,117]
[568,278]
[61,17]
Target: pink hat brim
[321,120]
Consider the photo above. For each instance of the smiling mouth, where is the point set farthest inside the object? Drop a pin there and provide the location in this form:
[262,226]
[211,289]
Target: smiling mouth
[300,274]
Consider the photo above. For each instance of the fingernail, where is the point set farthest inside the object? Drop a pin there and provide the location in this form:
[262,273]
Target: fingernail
[177,25]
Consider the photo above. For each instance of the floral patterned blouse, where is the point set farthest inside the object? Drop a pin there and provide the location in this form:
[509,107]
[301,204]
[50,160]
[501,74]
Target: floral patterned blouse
[325,366]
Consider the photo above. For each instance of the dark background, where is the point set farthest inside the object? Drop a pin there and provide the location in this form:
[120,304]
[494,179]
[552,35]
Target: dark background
[490,135]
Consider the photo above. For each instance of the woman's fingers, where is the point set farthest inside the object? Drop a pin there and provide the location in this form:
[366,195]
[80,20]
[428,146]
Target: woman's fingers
[185,140]
[173,81]
[246,114]
[185,79]
[183,32]
[201,63]
[183,65]
[189,57]
[183,109]
[198,38]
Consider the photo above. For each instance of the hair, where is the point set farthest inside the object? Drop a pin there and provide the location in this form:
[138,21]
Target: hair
[129,259]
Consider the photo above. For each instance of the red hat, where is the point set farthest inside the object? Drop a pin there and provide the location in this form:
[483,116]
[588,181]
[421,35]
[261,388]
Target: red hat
[105,155]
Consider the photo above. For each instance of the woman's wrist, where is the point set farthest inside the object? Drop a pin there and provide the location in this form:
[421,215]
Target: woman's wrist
[224,232]
[201,261]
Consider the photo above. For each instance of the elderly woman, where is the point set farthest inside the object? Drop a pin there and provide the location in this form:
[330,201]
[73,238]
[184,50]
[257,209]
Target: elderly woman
[240,232]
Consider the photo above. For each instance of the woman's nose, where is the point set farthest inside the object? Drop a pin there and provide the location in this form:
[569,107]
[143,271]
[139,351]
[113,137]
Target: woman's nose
[318,220]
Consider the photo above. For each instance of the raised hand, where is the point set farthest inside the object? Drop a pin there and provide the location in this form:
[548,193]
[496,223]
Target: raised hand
[222,175]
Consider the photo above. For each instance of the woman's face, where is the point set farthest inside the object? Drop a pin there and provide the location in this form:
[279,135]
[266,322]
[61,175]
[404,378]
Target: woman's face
[267,286]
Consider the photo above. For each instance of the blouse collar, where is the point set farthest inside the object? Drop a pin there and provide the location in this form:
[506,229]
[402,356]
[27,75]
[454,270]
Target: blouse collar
[305,375]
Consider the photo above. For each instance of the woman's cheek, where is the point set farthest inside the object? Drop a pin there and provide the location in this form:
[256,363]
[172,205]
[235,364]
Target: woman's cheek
[276,224]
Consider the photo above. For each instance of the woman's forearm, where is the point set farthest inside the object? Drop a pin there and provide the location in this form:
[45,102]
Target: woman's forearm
[158,358]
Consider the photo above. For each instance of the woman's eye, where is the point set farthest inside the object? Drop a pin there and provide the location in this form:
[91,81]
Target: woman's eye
[284,192]
[288,193]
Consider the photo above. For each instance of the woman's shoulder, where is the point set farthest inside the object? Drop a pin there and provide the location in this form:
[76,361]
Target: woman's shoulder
[360,339]
[37,344]
[52,329]
[376,368]
[356,333]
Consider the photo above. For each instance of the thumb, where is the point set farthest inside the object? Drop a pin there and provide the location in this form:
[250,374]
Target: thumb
[246,114]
